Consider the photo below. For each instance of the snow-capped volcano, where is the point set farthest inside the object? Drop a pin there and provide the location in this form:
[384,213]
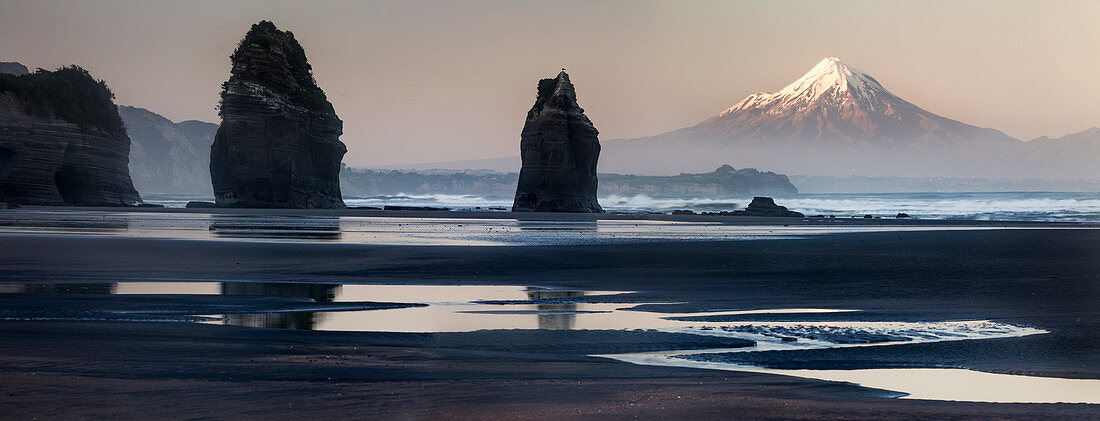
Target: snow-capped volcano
[830,80]
[834,120]
[840,106]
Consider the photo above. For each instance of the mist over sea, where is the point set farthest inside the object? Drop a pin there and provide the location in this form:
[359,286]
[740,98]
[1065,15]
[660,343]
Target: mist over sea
[1019,206]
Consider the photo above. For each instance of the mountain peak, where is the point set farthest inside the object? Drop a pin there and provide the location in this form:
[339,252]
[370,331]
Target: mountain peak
[827,73]
[829,79]
[832,72]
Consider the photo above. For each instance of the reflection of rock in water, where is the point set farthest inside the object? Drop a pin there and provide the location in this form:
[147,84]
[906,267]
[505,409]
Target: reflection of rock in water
[286,320]
[82,288]
[105,224]
[554,321]
[276,228]
[536,225]
[292,320]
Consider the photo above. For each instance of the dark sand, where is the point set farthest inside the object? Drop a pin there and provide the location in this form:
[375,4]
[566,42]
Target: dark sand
[1037,277]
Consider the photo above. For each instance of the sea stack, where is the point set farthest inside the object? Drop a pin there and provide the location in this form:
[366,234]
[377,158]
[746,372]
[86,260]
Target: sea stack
[61,140]
[559,147]
[279,142]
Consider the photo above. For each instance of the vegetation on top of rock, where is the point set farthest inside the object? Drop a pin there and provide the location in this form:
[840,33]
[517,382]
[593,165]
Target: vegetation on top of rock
[69,93]
[264,34]
[725,176]
[546,88]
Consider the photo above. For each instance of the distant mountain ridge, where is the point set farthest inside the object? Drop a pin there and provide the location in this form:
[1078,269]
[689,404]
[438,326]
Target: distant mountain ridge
[1074,153]
[168,157]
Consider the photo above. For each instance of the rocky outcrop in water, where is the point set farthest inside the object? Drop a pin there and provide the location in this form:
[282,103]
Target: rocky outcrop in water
[559,148]
[62,141]
[168,157]
[765,206]
[278,145]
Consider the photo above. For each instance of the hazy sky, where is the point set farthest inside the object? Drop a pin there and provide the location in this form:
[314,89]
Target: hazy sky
[419,81]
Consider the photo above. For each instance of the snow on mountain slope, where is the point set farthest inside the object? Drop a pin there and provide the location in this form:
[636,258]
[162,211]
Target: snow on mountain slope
[830,80]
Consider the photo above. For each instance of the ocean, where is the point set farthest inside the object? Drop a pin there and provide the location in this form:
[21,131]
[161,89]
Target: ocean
[1016,206]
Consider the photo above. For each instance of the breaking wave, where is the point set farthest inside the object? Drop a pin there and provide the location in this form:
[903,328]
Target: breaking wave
[983,206]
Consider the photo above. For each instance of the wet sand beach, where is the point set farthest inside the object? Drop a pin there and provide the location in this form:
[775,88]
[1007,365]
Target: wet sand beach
[1042,276]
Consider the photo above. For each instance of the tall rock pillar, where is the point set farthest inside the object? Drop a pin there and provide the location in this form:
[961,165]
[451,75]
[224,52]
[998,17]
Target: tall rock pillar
[559,147]
[279,142]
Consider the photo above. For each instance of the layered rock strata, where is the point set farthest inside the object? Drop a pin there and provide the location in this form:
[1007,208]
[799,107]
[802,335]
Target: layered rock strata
[278,144]
[559,148]
[62,141]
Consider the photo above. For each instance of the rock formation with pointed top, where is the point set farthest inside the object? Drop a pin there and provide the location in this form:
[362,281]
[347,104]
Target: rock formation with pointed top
[279,142]
[559,148]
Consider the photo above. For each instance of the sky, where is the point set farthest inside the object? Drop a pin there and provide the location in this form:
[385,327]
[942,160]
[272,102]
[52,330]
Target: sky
[428,81]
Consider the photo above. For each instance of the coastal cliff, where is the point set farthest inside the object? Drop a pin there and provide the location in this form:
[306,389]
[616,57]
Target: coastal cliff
[559,148]
[724,180]
[62,141]
[278,144]
[168,157]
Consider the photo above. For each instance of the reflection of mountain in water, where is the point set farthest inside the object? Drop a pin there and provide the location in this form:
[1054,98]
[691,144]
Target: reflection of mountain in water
[276,228]
[555,321]
[284,320]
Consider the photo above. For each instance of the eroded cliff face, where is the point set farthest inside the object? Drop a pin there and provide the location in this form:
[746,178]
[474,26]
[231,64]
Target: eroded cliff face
[278,144]
[167,157]
[559,147]
[48,159]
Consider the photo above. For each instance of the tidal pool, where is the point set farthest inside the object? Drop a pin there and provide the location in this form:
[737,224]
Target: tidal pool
[468,308]
[946,384]
[450,308]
